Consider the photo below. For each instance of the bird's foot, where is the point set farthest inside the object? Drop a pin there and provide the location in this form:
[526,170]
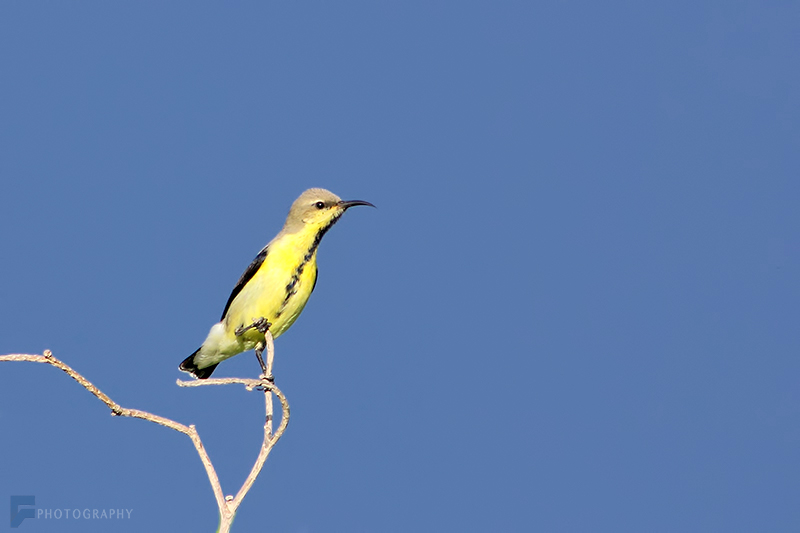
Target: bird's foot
[260,324]
[266,382]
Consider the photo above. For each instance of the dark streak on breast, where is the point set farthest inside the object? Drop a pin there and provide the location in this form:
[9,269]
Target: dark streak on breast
[291,288]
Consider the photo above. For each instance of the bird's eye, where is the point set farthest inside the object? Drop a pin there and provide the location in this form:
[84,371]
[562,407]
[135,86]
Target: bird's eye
[320,205]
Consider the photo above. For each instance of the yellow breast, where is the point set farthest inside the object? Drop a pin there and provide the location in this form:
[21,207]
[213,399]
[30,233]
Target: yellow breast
[278,291]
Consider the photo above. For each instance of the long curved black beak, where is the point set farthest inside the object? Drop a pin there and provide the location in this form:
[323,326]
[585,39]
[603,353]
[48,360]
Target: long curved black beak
[347,204]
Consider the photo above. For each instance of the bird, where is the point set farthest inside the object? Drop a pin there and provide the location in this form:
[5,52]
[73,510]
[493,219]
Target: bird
[274,289]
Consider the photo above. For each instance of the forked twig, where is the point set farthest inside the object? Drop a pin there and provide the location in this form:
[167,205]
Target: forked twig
[227,506]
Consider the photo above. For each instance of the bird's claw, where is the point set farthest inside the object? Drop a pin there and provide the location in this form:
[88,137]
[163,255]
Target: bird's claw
[262,325]
[265,379]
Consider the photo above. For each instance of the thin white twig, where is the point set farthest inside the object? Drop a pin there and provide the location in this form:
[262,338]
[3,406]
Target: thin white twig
[227,506]
[269,438]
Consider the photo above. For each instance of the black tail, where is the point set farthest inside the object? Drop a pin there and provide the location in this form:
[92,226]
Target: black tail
[189,366]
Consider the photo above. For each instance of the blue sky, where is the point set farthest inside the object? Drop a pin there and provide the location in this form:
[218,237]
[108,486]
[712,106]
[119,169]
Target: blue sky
[575,308]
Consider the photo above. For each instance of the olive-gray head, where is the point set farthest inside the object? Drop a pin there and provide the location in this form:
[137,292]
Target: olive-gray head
[317,209]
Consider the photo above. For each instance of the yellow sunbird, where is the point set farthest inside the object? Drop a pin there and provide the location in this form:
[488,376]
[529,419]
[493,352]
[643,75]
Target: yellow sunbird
[275,287]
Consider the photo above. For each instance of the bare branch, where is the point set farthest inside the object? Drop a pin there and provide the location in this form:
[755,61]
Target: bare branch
[227,505]
[269,439]
[249,384]
[118,410]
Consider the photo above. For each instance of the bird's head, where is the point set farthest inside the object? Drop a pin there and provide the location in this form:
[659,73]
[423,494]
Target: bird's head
[317,208]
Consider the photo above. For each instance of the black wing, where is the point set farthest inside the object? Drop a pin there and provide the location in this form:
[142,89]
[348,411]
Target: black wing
[316,277]
[247,276]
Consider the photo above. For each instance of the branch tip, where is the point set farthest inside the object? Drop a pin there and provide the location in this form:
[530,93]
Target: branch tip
[229,504]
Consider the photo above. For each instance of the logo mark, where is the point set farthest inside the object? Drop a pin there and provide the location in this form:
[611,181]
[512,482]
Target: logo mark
[17,514]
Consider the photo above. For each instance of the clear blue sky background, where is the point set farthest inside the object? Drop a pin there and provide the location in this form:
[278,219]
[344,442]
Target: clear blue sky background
[575,309]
